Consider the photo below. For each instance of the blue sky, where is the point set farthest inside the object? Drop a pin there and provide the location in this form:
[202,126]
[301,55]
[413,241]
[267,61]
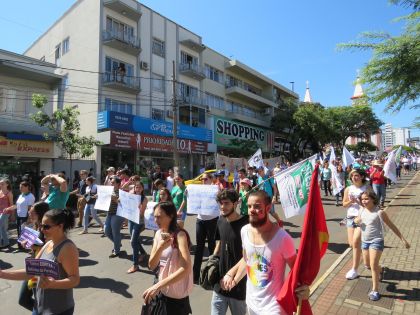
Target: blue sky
[285,40]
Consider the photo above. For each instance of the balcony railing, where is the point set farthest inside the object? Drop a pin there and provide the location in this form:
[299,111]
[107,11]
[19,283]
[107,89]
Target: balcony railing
[118,80]
[192,70]
[121,40]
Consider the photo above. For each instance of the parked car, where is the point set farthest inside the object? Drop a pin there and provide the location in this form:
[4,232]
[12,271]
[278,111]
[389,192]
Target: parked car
[197,180]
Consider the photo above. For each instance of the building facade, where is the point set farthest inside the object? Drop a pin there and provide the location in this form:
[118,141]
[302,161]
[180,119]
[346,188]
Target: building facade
[118,57]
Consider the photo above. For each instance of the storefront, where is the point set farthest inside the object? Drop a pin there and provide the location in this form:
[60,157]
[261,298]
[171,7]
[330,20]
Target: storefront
[140,143]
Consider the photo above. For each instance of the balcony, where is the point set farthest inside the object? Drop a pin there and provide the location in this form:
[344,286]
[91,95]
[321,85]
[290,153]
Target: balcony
[120,82]
[192,100]
[127,8]
[193,45]
[122,41]
[192,70]
[245,95]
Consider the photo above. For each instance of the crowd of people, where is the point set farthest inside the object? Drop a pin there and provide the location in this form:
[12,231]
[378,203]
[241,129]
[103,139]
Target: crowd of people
[250,251]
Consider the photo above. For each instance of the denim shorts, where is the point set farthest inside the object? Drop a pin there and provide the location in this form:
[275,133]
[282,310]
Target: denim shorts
[350,222]
[376,245]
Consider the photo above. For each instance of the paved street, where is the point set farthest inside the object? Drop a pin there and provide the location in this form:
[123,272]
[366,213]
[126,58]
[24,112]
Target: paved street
[106,288]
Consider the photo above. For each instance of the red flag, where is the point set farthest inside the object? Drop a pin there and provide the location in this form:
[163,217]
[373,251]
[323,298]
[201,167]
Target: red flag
[313,245]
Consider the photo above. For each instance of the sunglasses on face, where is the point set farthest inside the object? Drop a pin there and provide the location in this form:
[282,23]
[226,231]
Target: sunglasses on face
[46,227]
[204,178]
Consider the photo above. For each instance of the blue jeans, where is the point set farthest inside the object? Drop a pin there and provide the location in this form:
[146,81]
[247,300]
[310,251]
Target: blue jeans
[90,210]
[134,229]
[380,191]
[220,303]
[4,226]
[113,224]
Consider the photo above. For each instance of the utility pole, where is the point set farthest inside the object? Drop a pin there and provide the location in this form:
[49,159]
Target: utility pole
[175,124]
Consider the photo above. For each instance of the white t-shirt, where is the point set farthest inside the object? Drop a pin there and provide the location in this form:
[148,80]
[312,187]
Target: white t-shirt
[23,203]
[169,183]
[355,192]
[266,266]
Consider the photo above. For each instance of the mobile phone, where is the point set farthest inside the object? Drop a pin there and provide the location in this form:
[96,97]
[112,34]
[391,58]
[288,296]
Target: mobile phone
[165,235]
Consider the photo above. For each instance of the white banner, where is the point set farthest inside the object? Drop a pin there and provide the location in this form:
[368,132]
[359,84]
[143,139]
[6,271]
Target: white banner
[336,183]
[201,199]
[128,207]
[104,197]
[256,160]
[390,167]
[293,185]
[348,159]
[332,154]
[149,218]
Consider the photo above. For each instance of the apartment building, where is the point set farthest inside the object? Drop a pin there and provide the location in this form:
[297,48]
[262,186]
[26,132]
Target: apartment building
[117,60]
[23,149]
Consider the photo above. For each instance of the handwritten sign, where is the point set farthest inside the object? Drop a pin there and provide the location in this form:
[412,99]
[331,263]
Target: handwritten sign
[201,199]
[30,236]
[42,267]
[149,218]
[128,206]
[104,197]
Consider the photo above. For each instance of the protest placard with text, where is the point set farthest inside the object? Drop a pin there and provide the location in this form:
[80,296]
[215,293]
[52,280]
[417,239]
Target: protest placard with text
[128,206]
[104,197]
[149,218]
[30,236]
[201,199]
[42,267]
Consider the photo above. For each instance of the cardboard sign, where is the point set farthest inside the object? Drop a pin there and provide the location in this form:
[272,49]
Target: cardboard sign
[201,199]
[30,236]
[42,267]
[149,218]
[104,197]
[128,206]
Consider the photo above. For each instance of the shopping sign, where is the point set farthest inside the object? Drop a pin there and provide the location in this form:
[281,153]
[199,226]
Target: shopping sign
[293,185]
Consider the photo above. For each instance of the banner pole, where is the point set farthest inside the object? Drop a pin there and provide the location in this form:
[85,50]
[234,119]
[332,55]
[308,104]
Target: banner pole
[299,307]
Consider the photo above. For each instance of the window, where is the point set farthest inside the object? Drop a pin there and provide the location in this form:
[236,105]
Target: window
[188,59]
[8,100]
[214,74]
[234,107]
[158,83]
[215,101]
[120,30]
[117,106]
[158,114]
[158,47]
[119,71]
[57,54]
[66,45]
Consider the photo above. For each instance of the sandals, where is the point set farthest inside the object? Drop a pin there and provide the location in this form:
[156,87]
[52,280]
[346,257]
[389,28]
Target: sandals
[133,269]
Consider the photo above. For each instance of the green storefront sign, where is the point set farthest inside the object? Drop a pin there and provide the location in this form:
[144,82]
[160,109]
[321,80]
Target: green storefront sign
[227,130]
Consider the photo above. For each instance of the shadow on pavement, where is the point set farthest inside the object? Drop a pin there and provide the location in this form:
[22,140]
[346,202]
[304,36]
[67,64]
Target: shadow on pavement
[400,275]
[5,265]
[105,283]
[83,253]
[294,234]
[87,262]
[403,294]
[285,223]
[338,248]
[335,220]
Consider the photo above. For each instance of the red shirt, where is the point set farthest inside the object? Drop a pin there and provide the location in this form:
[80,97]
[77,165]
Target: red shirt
[378,177]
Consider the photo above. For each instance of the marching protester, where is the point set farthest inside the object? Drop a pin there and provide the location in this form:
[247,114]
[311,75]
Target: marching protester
[268,185]
[6,200]
[378,180]
[326,178]
[158,184]
[267,249]
[171,253]
[164,195]
[90,197]
[245,187]
[113,221]
[55,186]
[24,202]
[371,220]
[341,181]
[170,179]
[110,172]
[135,229]
[177,194]
[80,191]
[54,296]
[351,201]
[229,250]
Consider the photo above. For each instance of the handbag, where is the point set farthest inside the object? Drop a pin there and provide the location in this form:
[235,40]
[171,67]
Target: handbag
[157,306]
[182,288]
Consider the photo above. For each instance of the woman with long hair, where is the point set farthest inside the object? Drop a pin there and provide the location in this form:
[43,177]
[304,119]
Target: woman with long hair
[351,201]
[54,296]
[6,200]
[177,194]
[165,195]
[90,197]
[136,228]
[170,247]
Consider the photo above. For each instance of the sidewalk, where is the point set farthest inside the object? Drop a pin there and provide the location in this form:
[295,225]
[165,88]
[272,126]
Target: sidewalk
[400,287]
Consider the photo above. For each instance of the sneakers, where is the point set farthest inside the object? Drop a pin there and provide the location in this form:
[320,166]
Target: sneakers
[374,296]
[351,274]
[114,254]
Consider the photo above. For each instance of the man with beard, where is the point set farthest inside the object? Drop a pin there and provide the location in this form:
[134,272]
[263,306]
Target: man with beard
[229,249]
[266,250]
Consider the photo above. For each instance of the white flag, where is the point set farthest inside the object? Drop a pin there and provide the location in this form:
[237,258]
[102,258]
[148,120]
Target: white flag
[293,185]
[397,157]
[348,159]
[390,167]
[336,183]
[256,160]
[332,154]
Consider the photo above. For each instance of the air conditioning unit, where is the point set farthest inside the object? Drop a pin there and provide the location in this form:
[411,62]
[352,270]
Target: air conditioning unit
[144,65]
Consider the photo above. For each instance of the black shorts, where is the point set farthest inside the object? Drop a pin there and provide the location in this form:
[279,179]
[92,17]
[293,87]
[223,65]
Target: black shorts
[406,167]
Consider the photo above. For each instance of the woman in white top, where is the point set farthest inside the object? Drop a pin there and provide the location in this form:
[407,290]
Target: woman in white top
[23,204]
[90,197]
[351,201]
[371,220]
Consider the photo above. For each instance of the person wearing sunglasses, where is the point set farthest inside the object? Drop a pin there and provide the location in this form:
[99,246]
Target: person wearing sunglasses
[54,296]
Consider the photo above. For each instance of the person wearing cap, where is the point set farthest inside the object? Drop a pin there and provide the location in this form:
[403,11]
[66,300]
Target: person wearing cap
[225,172]
[221,182]
[377,177]
[245,186]
[90,197]
[110,172]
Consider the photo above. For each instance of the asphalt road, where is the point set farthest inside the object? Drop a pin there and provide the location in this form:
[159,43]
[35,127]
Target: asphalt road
[106,288]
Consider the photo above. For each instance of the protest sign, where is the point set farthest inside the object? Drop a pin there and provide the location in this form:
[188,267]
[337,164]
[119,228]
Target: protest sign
[336,182]
[201,199]
[104,197]
[128,206]
[42,267]
[256,160]
[30,236]
[149,218]
[293,185]
[390,167]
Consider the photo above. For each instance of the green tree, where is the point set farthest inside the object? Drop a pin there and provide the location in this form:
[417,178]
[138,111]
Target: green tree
[362,147]
[393,73]
[64,129]
[243,148]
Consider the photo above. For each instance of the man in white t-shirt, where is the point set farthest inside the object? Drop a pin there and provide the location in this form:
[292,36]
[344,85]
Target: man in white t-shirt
[267,249]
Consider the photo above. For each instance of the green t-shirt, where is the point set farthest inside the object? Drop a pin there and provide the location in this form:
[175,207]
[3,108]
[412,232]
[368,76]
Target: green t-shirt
[244,202]
[56,198]
[177,195]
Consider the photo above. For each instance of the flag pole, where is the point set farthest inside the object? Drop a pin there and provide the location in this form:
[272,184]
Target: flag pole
[299,307]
